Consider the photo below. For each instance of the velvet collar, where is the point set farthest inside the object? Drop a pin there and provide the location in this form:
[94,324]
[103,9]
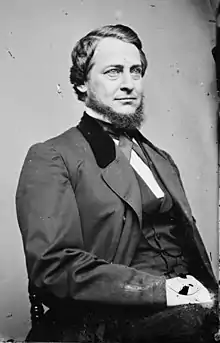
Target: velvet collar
[101,143]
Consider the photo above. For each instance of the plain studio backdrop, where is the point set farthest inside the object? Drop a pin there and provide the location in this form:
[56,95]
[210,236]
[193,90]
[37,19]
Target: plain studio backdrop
[37,102]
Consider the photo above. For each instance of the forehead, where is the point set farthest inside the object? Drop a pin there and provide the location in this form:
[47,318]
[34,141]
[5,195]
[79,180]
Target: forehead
[114,51]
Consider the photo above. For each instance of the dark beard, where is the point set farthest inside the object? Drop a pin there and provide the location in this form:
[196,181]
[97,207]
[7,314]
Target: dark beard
[125,121]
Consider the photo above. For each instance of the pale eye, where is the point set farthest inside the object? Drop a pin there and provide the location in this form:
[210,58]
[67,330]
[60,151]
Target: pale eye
[112,73]
[136,72]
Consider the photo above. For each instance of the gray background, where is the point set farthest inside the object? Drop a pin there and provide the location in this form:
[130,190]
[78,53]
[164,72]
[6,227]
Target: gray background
[37,102]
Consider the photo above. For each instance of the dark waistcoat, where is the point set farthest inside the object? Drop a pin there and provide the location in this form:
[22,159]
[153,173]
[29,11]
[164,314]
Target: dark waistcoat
[160,250]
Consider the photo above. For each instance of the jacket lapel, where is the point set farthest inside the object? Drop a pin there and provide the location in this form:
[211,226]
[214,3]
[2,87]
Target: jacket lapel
[120,177]
[168,175]
[116,171]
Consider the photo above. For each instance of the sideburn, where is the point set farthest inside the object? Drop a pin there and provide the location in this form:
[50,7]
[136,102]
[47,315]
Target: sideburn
[126,121]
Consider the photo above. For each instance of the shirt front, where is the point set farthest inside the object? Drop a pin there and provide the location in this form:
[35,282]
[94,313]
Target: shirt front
[136,162]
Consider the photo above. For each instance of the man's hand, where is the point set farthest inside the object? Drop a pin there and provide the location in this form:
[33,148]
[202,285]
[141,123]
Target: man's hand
[181,291]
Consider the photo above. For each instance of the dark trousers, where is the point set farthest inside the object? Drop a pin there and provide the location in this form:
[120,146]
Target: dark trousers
[185,324]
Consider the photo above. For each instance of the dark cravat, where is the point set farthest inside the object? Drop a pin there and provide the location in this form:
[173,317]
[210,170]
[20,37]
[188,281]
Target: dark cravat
[125,144]
[117,132]
[126,136]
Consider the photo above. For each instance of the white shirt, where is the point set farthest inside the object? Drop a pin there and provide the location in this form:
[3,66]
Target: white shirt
[136,162]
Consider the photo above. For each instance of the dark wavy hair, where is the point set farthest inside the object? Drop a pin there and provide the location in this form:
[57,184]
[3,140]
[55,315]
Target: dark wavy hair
[84,50]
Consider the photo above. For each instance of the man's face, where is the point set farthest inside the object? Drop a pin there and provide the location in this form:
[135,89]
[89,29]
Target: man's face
[114,83]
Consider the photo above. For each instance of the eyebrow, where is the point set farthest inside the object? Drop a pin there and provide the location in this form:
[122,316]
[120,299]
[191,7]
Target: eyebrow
[137,66]
[120,66]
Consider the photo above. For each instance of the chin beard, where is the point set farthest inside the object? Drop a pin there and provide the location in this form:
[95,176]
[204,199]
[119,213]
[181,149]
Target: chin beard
[124,121]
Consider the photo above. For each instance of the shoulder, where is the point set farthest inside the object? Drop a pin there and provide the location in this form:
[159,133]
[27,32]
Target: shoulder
[64,146]
[158,150]
[62,154]
[70,139]
[167,156]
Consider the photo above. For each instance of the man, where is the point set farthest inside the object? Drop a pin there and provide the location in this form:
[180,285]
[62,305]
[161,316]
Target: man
[110,242]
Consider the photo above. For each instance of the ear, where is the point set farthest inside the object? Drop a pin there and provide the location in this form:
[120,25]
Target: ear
[82,88]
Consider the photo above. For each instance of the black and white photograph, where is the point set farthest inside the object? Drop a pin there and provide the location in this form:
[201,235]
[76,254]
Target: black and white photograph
[109,202]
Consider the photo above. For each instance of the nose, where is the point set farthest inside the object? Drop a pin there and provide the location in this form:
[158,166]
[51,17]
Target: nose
[127,82]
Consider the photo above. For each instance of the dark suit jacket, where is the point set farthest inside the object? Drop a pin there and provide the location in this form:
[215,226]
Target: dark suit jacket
[71,200]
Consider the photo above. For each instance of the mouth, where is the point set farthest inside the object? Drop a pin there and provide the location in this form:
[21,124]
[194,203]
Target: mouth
[126,99]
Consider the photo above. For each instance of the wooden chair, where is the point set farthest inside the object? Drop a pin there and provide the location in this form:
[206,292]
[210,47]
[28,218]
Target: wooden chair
[43,327]
[37,309]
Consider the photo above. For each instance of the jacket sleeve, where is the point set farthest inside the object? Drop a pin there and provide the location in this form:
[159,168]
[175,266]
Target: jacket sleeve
[57,262]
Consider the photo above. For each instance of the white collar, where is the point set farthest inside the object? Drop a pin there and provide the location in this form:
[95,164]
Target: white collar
[95,114]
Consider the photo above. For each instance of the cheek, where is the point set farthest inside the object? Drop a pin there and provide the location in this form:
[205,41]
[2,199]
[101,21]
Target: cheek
[108,89]
[139,87]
